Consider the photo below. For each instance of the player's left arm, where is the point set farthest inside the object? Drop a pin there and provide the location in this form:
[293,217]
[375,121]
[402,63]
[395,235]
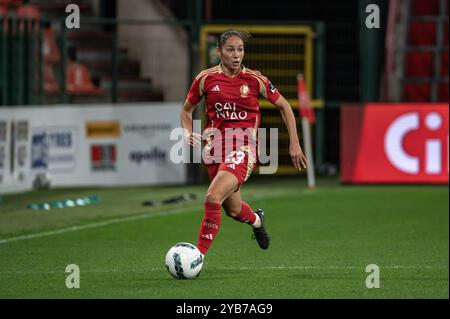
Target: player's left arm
[295,151]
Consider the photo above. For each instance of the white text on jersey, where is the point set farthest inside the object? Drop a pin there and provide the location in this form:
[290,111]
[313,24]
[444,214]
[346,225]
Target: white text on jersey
[228,111]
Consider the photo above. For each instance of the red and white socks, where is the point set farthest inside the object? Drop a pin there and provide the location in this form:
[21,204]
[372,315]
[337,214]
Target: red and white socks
[211,223]
[209,227]
[248,216]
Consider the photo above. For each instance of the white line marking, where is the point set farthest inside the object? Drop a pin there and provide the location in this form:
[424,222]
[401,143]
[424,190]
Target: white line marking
[282,267]
[125,219]
[100,224]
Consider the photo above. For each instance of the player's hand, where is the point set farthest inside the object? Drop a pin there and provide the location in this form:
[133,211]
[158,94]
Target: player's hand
[298,158]
[193,139]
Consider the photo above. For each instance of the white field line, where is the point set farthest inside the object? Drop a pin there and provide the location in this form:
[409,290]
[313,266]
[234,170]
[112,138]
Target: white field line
[125,219]
[282,267]
[99,224]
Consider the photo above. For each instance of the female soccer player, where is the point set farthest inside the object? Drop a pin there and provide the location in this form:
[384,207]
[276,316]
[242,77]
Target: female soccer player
[231,92]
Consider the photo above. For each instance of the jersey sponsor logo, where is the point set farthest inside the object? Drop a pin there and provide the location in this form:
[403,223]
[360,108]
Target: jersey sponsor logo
[216,88]
[228,111]
[245,90]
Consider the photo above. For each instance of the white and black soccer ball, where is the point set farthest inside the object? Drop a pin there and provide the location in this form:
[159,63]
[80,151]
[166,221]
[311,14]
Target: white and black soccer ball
[184,261]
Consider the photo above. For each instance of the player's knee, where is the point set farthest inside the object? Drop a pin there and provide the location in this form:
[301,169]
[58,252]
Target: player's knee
[213,197]
[231,212]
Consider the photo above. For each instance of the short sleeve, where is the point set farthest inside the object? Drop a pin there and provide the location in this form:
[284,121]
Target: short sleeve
[193,95]
[271,92]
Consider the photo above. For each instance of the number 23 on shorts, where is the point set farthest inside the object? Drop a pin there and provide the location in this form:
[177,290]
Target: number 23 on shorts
[235,157]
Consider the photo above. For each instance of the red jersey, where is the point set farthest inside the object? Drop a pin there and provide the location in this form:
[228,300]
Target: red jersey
[232,102]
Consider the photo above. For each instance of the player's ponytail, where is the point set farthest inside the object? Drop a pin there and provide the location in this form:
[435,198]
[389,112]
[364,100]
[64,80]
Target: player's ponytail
[244,35]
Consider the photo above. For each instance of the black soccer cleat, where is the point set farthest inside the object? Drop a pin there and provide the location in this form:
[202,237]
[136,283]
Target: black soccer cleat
[260,234]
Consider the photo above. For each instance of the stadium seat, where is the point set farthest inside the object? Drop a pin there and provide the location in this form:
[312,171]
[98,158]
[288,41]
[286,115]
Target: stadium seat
[4,13]
[3,10]
[417,92]
[422,33]
[79,80]
[50,48]
[11,3]
[51,85]
[28,11]
[425,7]
[419,64]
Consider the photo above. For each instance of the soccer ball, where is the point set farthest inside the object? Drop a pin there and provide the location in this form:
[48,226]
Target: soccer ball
[184,261]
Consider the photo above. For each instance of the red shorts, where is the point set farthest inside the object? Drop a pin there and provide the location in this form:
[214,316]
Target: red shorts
[240,164]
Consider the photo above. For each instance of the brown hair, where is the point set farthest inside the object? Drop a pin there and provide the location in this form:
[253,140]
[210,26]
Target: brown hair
[244,35]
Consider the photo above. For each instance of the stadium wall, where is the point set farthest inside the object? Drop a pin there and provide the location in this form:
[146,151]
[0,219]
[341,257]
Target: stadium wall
[97,145]
[163,50]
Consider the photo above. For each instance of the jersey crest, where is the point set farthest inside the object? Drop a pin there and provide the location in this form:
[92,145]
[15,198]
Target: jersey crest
[245,90]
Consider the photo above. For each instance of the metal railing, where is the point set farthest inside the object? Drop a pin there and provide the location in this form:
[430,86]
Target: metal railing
[22,74]
[20,61]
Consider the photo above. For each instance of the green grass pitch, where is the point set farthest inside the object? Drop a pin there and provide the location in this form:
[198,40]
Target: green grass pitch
[322,241]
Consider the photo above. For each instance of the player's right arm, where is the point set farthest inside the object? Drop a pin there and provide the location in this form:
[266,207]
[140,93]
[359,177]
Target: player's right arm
[186,123]
[194,96]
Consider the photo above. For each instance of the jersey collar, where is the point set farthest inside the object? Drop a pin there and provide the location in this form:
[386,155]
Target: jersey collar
[219,68]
